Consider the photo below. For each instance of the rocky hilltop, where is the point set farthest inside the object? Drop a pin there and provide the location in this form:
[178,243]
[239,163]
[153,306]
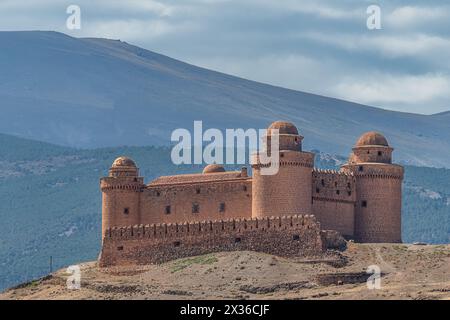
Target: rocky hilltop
[408,272]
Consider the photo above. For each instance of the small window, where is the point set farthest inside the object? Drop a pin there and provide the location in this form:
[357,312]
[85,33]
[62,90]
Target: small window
[338,192]
[198,191]
[222,207]
[349,193]
[245,188]
[335,184]
[168,210]
[364,204]
[126,210]
[176,243]
[380,153]
[317,190]
[296,237]
[237,240]
[120,248]
[368,152]
[323,183]
[195,208]
[361,168]
[281,155]
[158,193]
[349,185]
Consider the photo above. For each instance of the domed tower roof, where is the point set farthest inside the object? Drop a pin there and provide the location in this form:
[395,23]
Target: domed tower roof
[289,138]
[372,138]
[213,168]
[123,162]
[123,167]
[371,147]
[283,127]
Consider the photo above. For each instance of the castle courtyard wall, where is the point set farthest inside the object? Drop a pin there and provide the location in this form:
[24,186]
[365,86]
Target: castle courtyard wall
[291,236]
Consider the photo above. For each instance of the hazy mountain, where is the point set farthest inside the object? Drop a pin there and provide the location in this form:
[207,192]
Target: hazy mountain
[50,202]
[95,93]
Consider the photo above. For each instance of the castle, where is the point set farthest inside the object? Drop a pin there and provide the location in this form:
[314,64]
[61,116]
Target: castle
[284,214]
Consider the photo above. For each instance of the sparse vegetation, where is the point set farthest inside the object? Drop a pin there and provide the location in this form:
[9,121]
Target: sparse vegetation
[181,264]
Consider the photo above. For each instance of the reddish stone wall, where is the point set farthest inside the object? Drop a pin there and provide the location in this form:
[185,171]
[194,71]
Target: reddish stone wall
[378,203]
[289,191]
[374,154]
[293,236]
[235,195]
[334,199]
[120,201]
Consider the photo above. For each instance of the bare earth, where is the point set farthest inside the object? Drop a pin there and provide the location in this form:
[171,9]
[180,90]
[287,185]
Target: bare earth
[408,272]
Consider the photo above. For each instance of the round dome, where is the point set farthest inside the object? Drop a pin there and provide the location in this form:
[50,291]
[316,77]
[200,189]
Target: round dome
[123,162]
[372,138]
[283,127]
[213,168]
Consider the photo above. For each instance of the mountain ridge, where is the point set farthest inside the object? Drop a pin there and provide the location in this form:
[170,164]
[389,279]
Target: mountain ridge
[91,93]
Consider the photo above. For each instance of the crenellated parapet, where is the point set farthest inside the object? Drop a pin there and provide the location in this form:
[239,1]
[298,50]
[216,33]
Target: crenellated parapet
[287,159]
[285,236]
[128,184]
[175,230]
[318,171]
[374,171]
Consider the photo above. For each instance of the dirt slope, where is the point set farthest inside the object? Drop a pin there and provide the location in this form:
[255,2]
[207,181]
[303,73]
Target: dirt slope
[408,272]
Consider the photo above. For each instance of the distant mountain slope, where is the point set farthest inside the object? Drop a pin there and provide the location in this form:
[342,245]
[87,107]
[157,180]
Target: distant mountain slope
[97,93]
[50,202]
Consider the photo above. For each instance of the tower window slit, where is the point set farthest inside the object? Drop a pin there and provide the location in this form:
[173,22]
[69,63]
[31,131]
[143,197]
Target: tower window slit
[195,208]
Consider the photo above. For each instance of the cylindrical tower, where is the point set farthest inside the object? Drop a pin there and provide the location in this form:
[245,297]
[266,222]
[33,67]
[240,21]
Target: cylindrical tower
[378,190]
[120,194]
[287,192]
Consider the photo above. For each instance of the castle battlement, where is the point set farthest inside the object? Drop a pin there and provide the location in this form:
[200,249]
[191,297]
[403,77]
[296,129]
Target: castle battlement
[142,244]
[333,172]
[175,230]
[215,210]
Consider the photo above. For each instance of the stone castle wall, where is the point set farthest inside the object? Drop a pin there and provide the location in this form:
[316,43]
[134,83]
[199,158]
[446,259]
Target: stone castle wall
[214,201]
[374,154]
[289,191]
[291,236]
[378,202]
[120,201]
[333,200]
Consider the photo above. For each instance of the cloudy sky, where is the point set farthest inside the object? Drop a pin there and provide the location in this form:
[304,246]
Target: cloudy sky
[322,47]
